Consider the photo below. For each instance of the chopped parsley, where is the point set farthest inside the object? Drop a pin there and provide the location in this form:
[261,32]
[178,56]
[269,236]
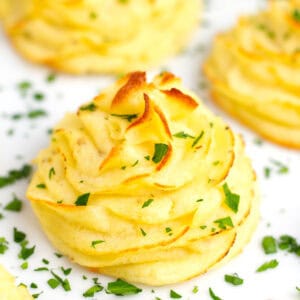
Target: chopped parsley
[174,295]
[3,245]
[268,265]
[64,282]
[89,107]
[147,203]
[197,139]
[15,175]
[282,169]
[232,200]
[143,232]
[267,172]
[51,173]
[36,113]
[296,15]
[51,77]
[160,150]
[24,265]
[195,290]
[93,15]
[92,291]
[24,86]
[135,163]
[169,231]
[224,222]
[19,236]
[287,242]
[26,252]
[213,295]
[82,200]
[147,157]
[66,271]
[94,243]
[269,245]
[41,186]
[14,205]
[183,135]
[122,288]
[38,96]
[233,279]
[53,283]
[128,117]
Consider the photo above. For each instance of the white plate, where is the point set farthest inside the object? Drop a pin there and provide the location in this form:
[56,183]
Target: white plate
[280,205]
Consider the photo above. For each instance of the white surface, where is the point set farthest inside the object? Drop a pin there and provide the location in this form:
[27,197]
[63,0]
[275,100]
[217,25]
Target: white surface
[280,205]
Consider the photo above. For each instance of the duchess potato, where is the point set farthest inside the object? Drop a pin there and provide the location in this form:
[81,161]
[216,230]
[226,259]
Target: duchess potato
[145,184]
[254,70]
[8,289]
[88,36]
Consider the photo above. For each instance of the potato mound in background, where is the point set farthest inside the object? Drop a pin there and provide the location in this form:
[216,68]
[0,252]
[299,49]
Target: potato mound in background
[88,36]
[145,184]
[254,72]
[8,289]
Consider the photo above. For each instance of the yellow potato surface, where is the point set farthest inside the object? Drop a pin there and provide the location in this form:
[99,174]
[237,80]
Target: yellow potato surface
[8,289]
[88,36]
[254,72]
[145,184]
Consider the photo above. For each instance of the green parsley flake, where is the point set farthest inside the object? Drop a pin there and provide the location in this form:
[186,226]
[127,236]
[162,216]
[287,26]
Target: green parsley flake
[282,169]
[147,157]
[267,172]
[197,139]
[183,135]
[232,200]
[89,107]
[33,285]
[19,236]
[36,113]
[51,77]
[53,283]
[213,295]
[128,117]
[269,245]
[92,291]
[14,205]
[38,96]
[15,175]
[82,200]
[24,265]
[41,186]
[268,265]
[66,271]
[51,173]
[94,243]
[143,232]
[26,252]
[195,290]
[296,15]
[224,222]
[64,282]
[3,245]
[122,288]
[147,203]
[233,279]
[160,150]
[174,295]
[24,86]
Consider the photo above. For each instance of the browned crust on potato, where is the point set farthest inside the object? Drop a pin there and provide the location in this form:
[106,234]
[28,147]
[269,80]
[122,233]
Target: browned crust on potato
[177,95]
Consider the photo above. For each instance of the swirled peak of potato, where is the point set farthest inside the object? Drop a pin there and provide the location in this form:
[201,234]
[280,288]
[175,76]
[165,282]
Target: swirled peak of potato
[254,72]
[88,36]
[8,289]
[143,183]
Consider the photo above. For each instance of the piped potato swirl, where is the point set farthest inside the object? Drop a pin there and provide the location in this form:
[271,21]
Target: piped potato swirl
[145,184]
[254,72]
[88,36]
